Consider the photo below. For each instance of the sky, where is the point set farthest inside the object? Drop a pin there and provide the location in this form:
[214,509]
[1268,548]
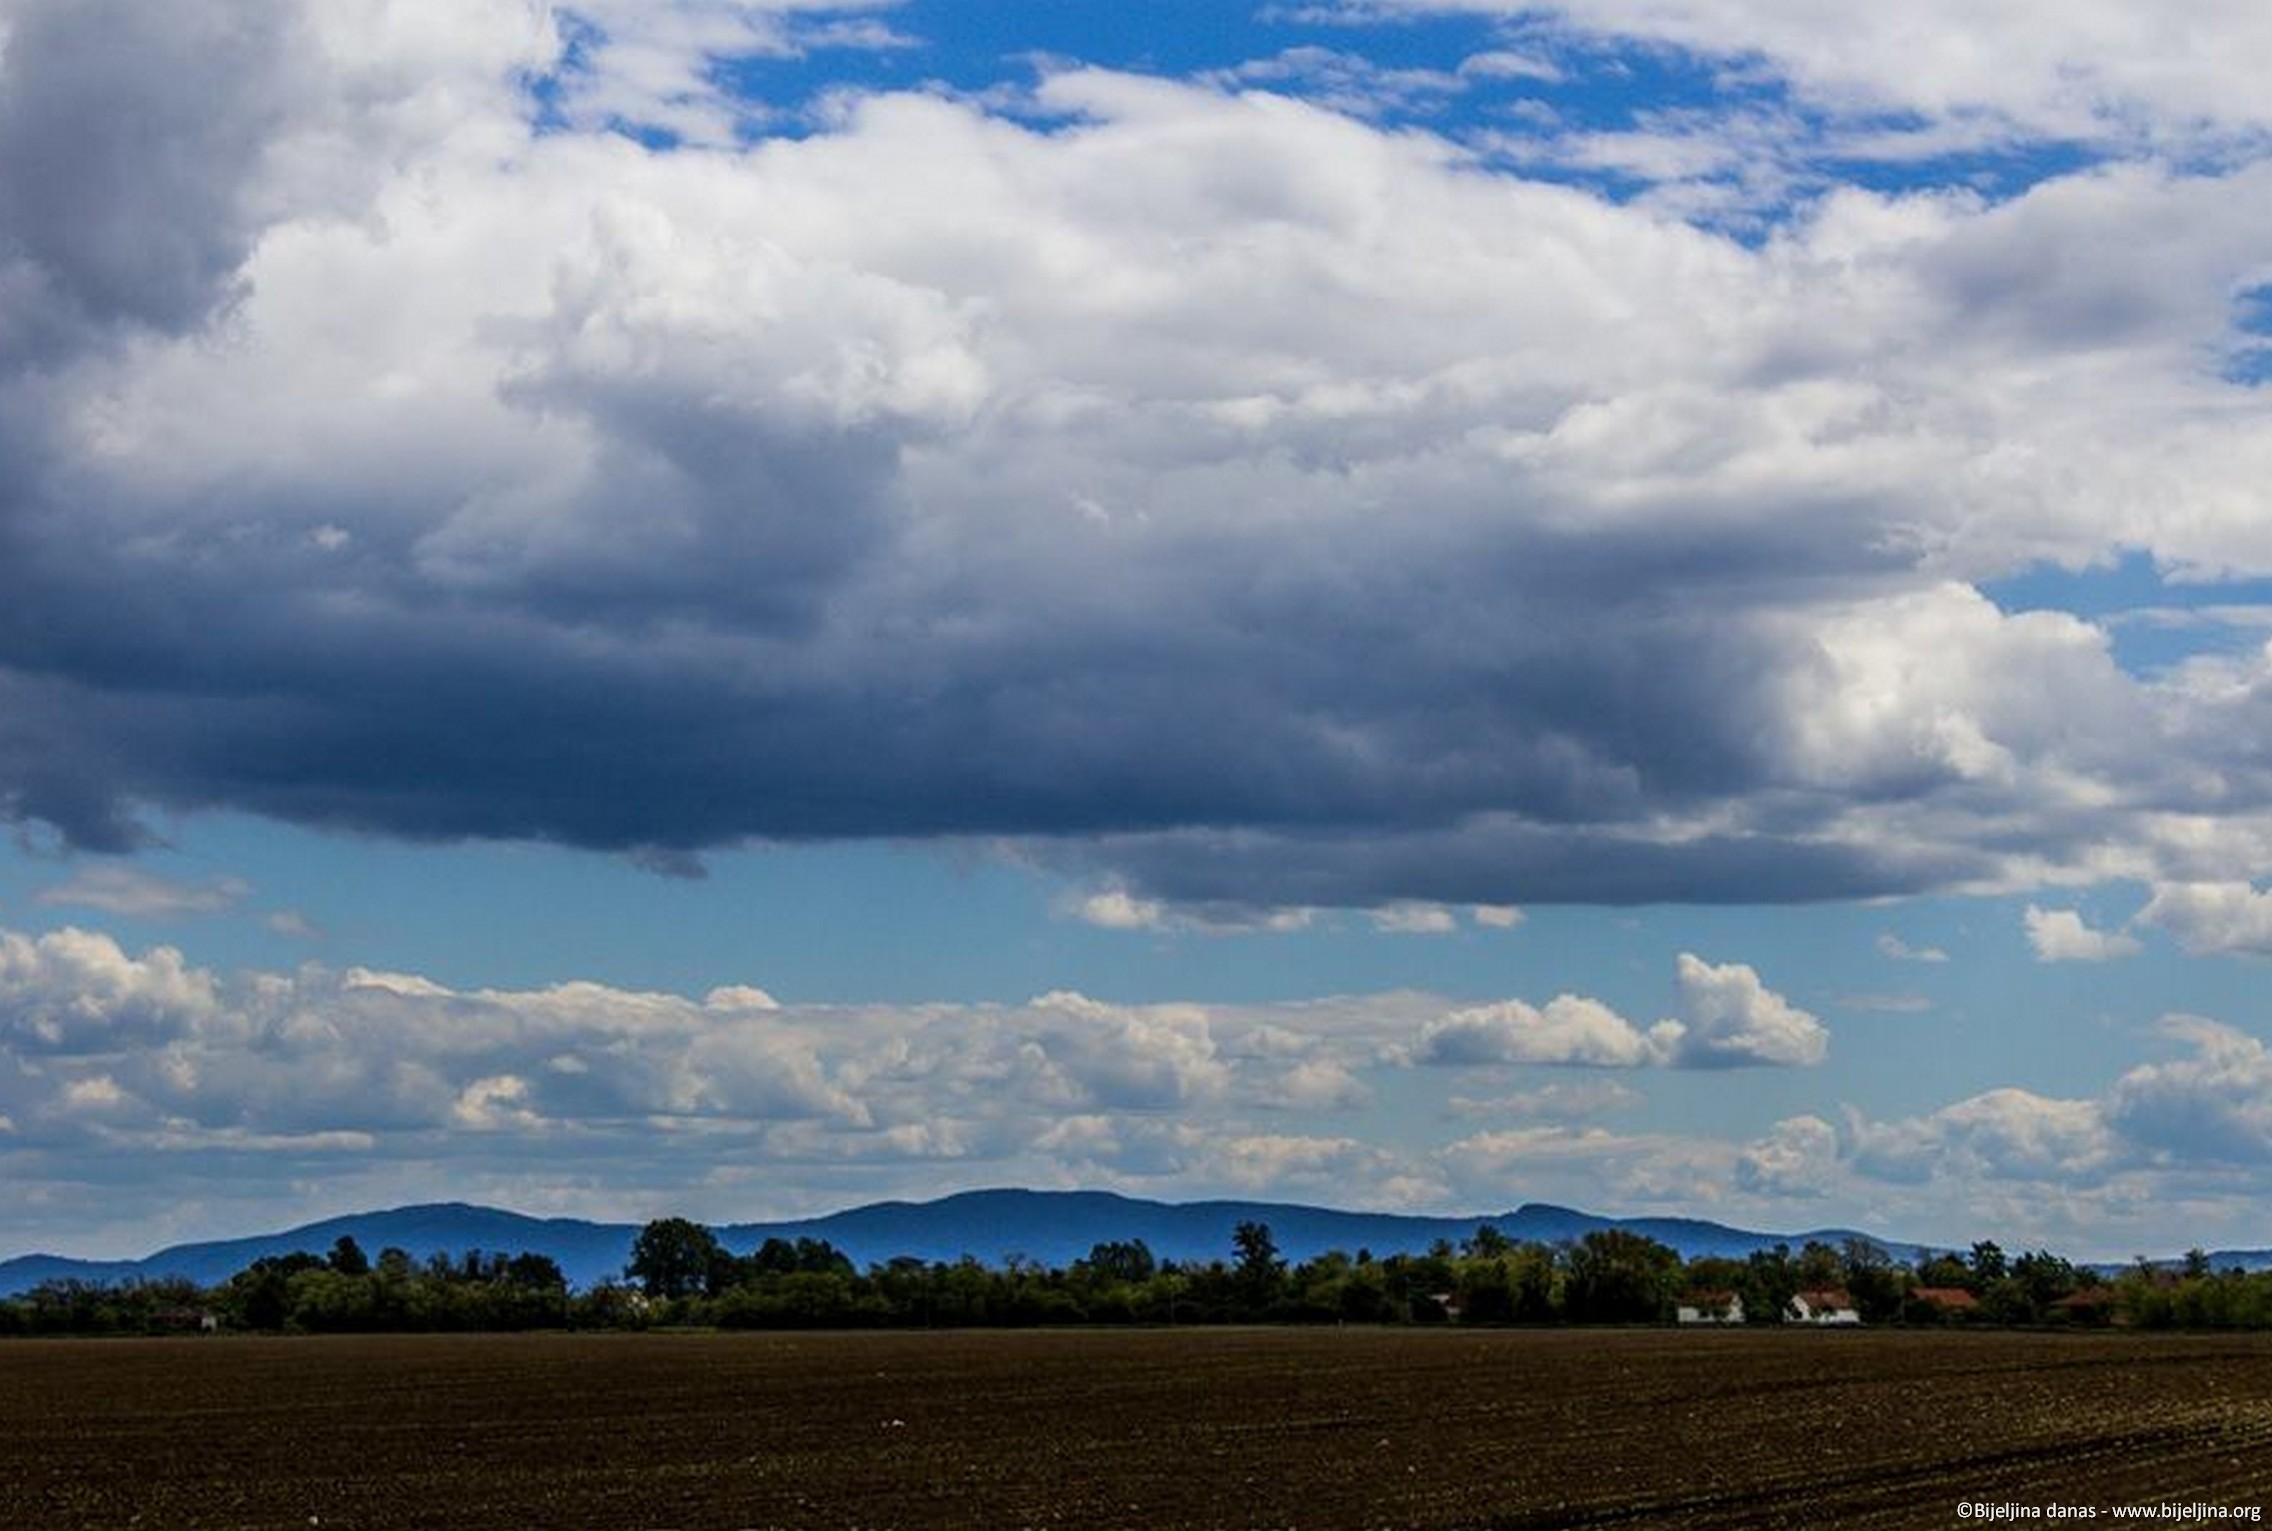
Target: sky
[737,607]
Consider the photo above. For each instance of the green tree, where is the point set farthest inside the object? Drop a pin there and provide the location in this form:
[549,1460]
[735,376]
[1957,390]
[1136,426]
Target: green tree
[1774,1279]
[1260,1273]
[1129,1260]
[674,1257]
[1536,1280]
[1488,1242]
[347,1257]
[1620,1277]
[1943,1270]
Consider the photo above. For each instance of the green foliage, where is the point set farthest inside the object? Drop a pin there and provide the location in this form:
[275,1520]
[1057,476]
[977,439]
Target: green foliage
[347,1257]
[685,1276]
[674,1257]
[1261,1272]
[1620,1277]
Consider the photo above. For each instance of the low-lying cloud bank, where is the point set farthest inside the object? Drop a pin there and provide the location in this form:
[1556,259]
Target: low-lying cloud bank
[173,1096]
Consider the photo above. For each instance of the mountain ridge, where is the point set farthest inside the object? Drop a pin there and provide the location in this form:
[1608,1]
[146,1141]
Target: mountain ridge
[992,1225]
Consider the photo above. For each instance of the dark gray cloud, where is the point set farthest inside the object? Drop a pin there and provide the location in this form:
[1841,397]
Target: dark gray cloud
[127,169]
[1341,525]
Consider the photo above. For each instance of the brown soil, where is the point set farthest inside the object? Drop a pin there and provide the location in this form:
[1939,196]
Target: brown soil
[1155,1429]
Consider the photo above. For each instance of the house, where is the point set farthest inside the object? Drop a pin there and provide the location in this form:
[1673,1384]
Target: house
[2092,1305]
[1710,1308]
[1825,1305]
[1943,1302]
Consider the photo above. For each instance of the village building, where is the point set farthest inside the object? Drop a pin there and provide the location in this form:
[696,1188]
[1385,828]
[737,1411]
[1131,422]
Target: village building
[1945,1301]
[1824,1305]
[1710,1308]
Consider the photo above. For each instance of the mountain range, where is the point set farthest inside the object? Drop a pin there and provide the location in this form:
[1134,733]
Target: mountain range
[1051,1227]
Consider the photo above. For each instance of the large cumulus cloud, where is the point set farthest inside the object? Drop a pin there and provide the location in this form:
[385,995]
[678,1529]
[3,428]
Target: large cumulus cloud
[1229,500]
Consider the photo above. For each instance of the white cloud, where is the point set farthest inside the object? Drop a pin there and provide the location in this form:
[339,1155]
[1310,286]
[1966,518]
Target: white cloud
[1414,919]
[1568,1030]
[1730,1019]
[1554,1102]
[2215,1104]
[652,63]
[143,1074]
[1799,1158]
[76,993]
[1115,909]
[1150,1057]
[1118,909]
[115,888]
[2213,918]
[2087,69]
[1644,1170]
[2059,935]
[739,997]
[1892,946]
[292,925]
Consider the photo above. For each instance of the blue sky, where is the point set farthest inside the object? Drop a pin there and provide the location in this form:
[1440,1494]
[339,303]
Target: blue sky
[732,608]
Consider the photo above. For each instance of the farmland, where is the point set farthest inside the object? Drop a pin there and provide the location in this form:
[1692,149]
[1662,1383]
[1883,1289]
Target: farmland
[1221,1428]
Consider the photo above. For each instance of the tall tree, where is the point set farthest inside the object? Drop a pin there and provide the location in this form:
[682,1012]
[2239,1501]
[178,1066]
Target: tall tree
[1621,1277]
[347,1257]
[674,1257]
[1260,1272]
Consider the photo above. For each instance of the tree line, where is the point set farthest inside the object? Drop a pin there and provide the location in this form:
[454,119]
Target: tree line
[679,1274]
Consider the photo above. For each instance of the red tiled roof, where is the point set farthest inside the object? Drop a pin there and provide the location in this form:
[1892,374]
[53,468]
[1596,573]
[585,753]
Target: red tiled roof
[1944,1296]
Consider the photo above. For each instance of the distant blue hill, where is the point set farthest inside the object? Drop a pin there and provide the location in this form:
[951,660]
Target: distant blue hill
[1050,1227]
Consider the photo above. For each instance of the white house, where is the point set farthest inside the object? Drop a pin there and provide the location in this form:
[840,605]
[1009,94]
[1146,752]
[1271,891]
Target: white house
[1710,1308]
[1824,1305]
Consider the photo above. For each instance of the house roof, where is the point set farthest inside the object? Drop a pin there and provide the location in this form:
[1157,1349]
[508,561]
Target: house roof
[1944,1296]
[1823,1297]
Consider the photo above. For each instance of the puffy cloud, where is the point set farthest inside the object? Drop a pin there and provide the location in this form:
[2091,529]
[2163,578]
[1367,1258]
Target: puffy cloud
[75,993]
[2059,935]
[2087,70]
[134,1076]
[2002,1134]
[1659,1170]
[1568,1030]
[1890,945]
[1149,1058]
[653,65]
[2215,1104]
[96,223]
[1114,909]
[1730,1019]
[2222,918]
[1799,1158]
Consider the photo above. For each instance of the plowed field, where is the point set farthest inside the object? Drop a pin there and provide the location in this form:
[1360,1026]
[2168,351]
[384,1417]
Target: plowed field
[1154,1429]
